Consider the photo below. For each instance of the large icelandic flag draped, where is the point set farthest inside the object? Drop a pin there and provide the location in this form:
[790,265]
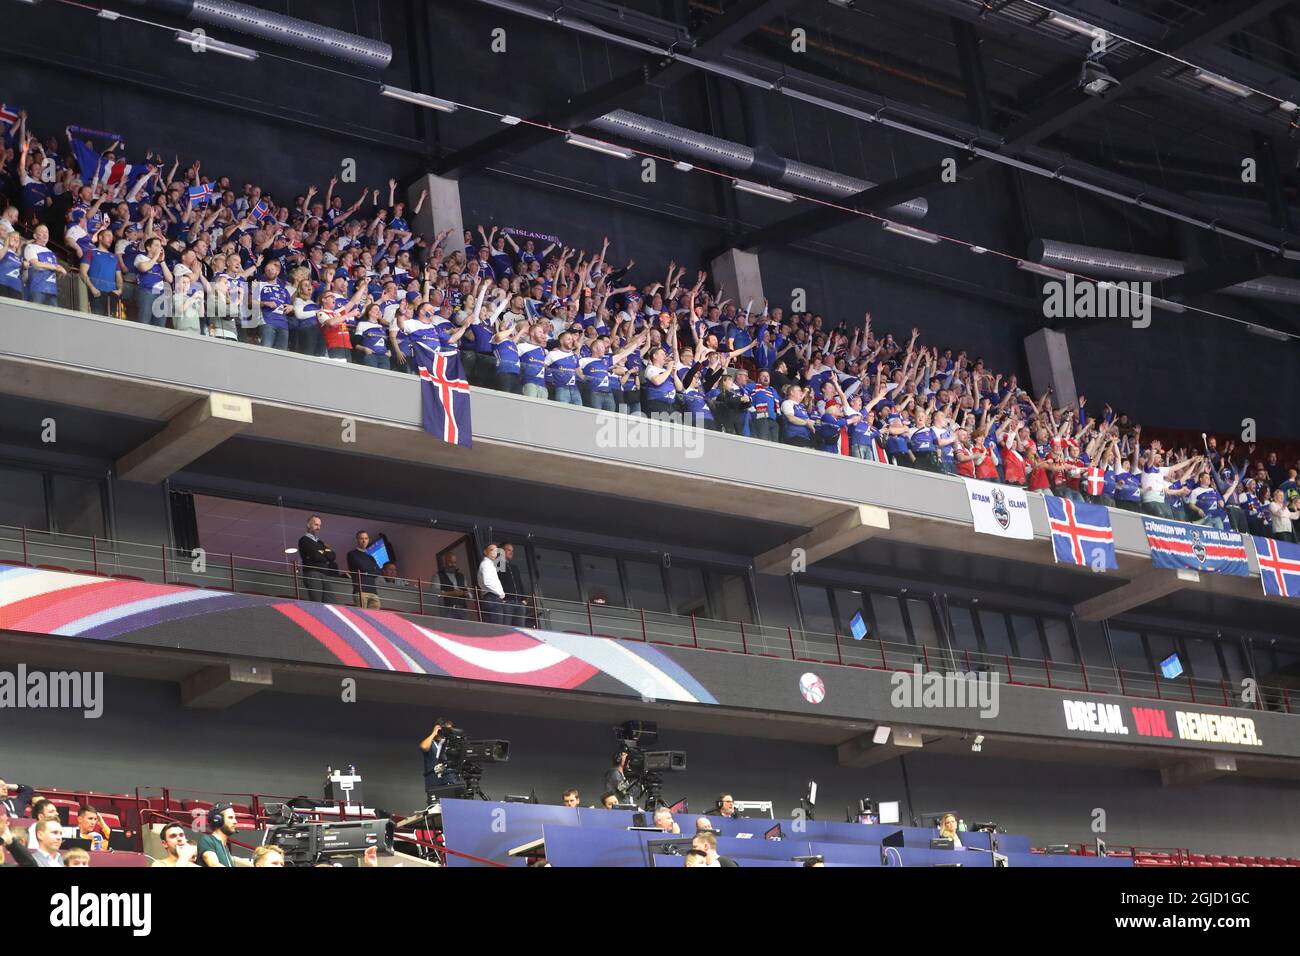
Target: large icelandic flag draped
[1081,533]
[1279,566]
[445,397]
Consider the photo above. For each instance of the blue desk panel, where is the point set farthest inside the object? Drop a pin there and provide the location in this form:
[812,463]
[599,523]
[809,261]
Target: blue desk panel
[489,829]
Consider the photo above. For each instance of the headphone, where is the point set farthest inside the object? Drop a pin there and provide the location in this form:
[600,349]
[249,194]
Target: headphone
[215,814]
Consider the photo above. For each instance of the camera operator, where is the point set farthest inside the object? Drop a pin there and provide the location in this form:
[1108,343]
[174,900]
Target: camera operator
[436,773]
[616,781]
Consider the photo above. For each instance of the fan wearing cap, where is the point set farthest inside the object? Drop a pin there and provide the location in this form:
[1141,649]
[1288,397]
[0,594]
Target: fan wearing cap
[214,847]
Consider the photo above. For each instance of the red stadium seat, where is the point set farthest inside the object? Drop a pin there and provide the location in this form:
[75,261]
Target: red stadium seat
[120,859]
[67,808]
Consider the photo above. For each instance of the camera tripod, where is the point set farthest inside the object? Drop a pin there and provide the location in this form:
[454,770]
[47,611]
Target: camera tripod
[650,786]
[471,774]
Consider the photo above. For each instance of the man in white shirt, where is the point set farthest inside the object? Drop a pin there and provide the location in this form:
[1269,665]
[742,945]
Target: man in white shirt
[491,594]
[49,837]
[1155,484]
[8,222]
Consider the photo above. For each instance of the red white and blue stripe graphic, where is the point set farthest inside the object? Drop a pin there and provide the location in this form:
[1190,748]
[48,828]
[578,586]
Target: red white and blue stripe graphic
[38,601]
[1181,546]
[1081,534]
[1279,566]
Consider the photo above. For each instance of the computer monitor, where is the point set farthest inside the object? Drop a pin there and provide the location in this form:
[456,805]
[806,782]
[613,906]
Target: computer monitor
[680,807]
[857,626]
[941,843]
[888,811]
[1171,667]
[381,550]
[773,833]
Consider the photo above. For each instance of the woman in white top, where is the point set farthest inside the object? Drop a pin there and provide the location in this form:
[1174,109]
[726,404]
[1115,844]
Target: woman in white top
[1283,515]
[306,319]
[188,304]
[948,830]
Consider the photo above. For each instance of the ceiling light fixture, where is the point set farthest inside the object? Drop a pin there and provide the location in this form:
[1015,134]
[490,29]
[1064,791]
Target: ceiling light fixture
[1222,83]
[1073,25]
[1041,270]
[202,43]
[419,99]
[598,146]
[911,232]
[767,192]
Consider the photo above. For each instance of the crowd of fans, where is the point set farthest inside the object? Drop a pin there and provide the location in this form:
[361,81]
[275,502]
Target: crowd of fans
[355,282]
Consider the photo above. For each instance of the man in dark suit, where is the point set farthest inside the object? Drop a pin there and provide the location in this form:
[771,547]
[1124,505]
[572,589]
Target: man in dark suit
[362,568]
[516,607]
[454,591]
[707,842]
[15,806]
[318,561]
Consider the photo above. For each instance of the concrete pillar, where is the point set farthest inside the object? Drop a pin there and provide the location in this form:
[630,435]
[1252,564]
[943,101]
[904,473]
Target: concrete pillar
[188,436]
[1049,364]
[1147,587]
[827,539]
[441,210]
[738,272]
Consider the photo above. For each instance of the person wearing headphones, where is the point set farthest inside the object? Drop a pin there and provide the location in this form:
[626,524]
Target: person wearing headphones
[726,806]
[214,847]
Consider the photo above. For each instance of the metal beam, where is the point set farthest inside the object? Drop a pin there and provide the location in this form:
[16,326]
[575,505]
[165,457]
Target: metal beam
[877,199]
[179,88]
[575,111]
[737,22]
[716,37]
[876,265]
[1126,22]
[1049,116]
[1066,108]
[915,120]
[1225,273]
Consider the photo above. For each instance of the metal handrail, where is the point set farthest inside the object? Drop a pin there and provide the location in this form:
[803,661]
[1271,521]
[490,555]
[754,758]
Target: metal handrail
[415,597]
